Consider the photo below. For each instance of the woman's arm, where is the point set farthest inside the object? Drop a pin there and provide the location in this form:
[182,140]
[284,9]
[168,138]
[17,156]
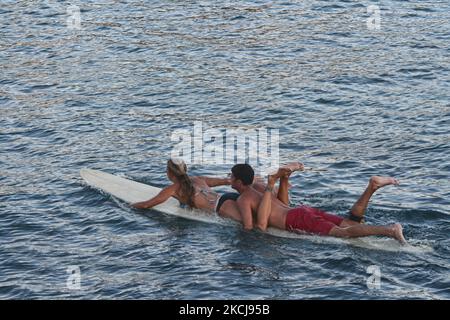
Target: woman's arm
[215,182]
[161,197]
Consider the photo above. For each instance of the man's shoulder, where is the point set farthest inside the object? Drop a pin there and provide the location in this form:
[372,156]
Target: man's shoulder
[247,196]
[244,196]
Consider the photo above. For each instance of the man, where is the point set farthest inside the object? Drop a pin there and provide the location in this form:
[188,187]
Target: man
[260,204]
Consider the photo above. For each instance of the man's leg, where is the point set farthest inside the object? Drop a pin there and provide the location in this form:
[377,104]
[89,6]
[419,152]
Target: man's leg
[360,206]
[283,190]
[394,231]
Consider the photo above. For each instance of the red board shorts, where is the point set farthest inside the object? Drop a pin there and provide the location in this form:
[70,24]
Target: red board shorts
[311,220]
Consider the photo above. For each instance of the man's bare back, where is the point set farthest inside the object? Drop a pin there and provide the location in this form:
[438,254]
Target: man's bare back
[251,196]
[248,204]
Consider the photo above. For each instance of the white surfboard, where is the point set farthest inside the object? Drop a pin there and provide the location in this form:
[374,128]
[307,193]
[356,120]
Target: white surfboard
[131,191]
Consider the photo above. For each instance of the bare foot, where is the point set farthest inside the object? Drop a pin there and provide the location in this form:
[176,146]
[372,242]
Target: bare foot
[397,233]
[282,172]
[377,182]
[294,166]
[291,167]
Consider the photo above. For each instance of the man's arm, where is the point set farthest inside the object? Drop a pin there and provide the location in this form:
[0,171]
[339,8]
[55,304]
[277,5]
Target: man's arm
[161,197]
[245,209]
[265,206]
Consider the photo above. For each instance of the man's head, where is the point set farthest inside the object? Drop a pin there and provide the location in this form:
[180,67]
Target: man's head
[241,176]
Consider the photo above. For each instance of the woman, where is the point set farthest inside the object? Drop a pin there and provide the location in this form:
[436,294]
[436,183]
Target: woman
[195,192]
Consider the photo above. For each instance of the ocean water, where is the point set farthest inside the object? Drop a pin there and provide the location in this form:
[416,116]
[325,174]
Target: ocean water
[109,92]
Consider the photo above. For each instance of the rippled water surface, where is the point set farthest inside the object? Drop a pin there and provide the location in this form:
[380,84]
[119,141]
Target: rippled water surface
[352,101]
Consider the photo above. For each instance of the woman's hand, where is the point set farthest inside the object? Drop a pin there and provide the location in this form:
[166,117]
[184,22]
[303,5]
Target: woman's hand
[138,205]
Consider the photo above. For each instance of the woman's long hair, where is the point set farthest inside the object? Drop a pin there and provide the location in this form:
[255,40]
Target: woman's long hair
[179,169]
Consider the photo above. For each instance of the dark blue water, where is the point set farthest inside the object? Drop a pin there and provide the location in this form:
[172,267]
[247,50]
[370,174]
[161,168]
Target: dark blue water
[353,101]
